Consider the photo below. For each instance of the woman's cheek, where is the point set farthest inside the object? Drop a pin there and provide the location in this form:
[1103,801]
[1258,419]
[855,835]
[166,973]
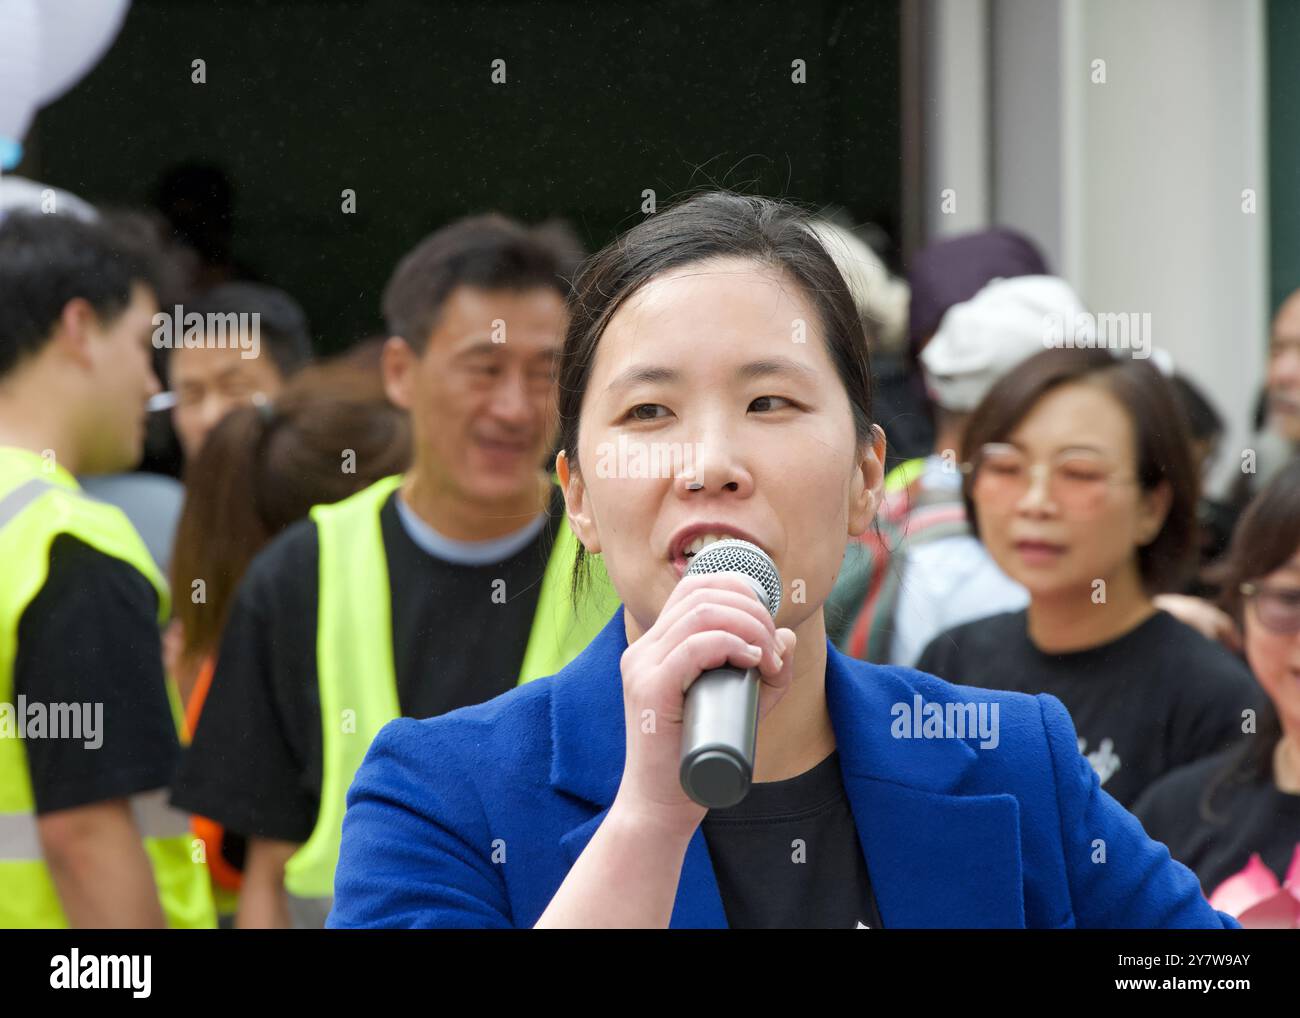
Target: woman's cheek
[1268,654]
[997,542]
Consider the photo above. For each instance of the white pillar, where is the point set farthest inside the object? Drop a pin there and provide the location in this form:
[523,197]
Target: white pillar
[1133,187]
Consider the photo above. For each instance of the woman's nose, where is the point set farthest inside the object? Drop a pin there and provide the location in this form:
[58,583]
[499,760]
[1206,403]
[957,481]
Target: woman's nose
[713,465]
[1038,496]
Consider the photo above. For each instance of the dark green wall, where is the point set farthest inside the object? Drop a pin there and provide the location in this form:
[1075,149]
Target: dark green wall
[1283,34]
[393,98]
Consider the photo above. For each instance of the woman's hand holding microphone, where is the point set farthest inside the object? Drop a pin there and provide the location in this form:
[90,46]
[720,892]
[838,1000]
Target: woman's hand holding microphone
[628,874]
[707,622]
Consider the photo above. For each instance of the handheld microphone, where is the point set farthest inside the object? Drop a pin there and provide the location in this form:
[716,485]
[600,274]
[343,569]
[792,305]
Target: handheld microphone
[720,714]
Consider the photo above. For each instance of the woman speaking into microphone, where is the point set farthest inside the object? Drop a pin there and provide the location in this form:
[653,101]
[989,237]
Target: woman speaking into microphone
[714,385]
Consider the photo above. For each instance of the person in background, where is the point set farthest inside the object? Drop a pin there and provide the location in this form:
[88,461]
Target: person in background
[1081,486]
[422,592]
[1205,428]
[1215,520]
[91,841]
[151,501]
[921,571]
[947,272]
[1278,441]
[255,338]
[260,470]
[151,495]
[1236,814]
[882,302]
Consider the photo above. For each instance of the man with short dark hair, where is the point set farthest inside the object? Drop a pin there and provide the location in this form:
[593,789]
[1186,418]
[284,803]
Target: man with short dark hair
[421,593]
[88,741]
[244,341]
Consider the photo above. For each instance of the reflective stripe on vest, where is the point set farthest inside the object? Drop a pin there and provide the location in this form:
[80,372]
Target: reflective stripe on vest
[21,497]
[28,897]
[153,815]
[354,663]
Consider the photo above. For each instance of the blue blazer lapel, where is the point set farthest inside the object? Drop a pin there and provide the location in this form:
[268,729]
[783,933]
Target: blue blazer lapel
[936,858]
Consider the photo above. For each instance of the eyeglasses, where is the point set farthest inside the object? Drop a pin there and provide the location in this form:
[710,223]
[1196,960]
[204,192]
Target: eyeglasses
[1277,608]
[189,398]
[1077,480]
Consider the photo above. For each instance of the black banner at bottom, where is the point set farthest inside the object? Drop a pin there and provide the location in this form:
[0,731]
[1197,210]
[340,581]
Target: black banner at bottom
[214,968]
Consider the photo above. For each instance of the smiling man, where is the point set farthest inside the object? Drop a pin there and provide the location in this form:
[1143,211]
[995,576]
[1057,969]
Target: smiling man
[420,594]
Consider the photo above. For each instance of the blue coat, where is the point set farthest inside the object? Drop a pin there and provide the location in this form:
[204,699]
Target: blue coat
[473,818]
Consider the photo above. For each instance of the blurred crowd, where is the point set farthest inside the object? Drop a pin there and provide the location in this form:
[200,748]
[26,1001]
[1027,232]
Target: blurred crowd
[253,557]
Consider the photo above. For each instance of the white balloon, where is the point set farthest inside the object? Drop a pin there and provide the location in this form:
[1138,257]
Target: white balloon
[20,45]
[75,35]
[45,49]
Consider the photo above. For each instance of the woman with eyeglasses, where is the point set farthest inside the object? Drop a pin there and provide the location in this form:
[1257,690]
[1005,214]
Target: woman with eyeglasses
[1080,484]
[1218,814]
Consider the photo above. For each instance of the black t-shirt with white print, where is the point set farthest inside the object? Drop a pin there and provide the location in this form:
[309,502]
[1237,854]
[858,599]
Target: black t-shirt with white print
[787,856]
[1157,697]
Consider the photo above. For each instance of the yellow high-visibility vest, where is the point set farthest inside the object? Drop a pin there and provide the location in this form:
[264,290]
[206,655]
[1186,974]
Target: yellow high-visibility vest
[38,502]
[357,678]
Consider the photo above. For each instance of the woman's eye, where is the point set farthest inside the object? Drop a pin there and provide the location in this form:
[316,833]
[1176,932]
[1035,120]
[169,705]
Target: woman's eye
[761,399]
[635,412]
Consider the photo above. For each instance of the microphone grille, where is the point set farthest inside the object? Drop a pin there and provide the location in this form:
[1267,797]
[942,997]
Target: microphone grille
[732,555]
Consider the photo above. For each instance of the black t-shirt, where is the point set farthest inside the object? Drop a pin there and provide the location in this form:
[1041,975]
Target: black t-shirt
[1248,814]
[787,856]
[1158,697]
[89,640]
[254,763]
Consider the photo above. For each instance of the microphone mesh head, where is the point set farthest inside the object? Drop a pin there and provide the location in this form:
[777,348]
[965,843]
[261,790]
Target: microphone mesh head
[732,555]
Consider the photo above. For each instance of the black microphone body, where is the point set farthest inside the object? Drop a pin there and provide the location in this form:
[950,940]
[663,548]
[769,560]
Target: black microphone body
[720,713]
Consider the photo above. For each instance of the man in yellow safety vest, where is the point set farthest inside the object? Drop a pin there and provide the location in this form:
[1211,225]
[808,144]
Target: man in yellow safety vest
[422,593]
[89,731]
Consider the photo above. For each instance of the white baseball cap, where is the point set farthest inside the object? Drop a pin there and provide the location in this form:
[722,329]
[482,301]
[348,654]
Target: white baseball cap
[980,340]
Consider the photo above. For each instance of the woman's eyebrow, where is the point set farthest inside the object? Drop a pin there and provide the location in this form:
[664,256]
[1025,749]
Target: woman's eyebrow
[1082,448]
[774,366]
[651,373]
[644,373]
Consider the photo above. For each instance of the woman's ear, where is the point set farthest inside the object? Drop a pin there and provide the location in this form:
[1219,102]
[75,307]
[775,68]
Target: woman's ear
[868,483]
[576,504]
[1152,510]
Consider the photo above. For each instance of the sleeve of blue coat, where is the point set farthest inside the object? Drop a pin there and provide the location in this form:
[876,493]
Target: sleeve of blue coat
[1119,877]
[416,848]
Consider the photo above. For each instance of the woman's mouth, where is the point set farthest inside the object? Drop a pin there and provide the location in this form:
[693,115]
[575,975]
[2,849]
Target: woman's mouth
[1039,553]
[696,540]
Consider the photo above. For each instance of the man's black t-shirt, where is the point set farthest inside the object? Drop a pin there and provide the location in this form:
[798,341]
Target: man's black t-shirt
[1247,816]
[1158,697]
[787,856]
[255,761]
[90,637]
